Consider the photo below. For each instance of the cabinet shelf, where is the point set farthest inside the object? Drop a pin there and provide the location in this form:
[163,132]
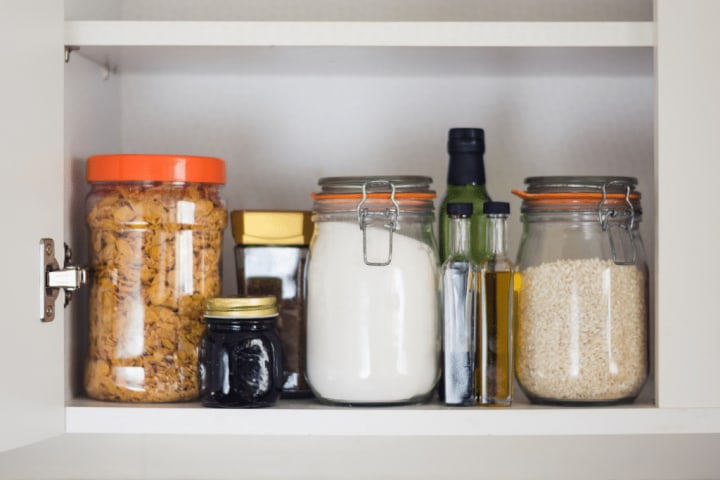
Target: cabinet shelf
[307,417]
[359,33]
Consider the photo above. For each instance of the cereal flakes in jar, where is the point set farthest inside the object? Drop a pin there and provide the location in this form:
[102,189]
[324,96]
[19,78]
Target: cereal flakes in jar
[156,224]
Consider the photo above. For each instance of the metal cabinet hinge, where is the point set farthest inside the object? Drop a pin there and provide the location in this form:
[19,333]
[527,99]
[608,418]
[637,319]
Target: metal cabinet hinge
[69,278]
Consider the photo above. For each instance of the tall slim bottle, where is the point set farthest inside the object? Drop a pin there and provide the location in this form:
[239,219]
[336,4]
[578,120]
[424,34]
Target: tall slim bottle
[466,184]
[496,304]
[459,274]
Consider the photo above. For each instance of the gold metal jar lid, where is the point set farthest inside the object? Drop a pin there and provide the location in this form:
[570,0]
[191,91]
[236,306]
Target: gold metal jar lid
[241,307]
[271,227]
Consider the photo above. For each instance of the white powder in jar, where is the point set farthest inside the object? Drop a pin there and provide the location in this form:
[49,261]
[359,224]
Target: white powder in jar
[373,332]
[582,331]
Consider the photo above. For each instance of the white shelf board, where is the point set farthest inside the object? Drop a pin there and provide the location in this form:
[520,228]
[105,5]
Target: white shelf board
[375,34]
[293,418]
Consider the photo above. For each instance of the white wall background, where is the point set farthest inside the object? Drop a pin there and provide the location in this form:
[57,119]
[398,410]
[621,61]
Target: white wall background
[284,117]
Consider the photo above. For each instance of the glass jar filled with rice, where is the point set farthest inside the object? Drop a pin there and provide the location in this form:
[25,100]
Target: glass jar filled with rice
[582,327]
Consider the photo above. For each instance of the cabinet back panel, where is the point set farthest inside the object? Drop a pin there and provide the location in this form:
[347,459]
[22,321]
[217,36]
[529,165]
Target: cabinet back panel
[284,117]
[280,132]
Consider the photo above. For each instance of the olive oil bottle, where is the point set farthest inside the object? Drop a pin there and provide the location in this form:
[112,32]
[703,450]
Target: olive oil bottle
[496,305]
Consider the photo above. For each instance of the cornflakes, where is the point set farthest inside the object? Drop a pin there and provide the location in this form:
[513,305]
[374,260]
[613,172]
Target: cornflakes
[155,258]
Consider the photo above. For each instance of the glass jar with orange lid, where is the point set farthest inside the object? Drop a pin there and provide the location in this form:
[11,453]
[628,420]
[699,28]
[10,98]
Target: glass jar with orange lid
[582,327]
[156,224]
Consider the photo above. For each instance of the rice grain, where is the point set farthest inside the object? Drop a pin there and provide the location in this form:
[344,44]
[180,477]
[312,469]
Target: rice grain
[582,331]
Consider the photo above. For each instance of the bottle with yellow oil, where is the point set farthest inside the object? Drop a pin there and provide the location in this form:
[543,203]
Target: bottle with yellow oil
[496,300]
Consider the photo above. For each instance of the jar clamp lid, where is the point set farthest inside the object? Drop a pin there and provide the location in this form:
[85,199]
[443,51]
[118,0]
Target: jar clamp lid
[613,198]
[241,307]
[375,196]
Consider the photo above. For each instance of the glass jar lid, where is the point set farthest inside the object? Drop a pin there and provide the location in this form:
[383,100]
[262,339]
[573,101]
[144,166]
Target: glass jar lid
[241,307]
[375,184]
[402,193]
[577,193]
[580,184]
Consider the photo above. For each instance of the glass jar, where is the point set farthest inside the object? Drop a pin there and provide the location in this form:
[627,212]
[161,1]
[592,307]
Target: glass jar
[156,224]
[271,259]
[240,353]
[582,326]
[373,331]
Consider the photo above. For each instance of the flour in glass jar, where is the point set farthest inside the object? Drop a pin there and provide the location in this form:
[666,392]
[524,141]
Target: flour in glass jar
[373,331]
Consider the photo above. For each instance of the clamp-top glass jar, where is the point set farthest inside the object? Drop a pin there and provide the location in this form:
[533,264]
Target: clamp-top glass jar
[373,331]
[582,327]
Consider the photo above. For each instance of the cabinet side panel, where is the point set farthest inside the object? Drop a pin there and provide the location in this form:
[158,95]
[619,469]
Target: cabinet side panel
[31,95]
[688,116]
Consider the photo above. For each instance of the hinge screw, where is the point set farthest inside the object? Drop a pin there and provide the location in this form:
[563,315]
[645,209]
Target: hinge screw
[49,310]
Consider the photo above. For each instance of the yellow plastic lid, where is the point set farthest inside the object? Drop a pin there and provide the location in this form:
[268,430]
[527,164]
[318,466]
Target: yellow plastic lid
[271,227]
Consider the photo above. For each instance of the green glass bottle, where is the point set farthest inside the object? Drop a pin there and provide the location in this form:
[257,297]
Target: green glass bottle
[466,184]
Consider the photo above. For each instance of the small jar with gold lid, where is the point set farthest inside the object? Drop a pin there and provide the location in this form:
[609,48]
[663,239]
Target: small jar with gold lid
[240,353]
[271,258]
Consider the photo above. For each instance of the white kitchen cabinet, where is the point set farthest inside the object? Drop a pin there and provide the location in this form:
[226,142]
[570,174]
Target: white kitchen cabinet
[288,92]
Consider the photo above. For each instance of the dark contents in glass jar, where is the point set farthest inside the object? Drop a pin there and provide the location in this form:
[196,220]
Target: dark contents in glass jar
[280,271]
[240,363]
[291,329]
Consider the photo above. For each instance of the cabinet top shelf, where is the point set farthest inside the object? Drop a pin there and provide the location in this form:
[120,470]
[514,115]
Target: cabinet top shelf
[359,34]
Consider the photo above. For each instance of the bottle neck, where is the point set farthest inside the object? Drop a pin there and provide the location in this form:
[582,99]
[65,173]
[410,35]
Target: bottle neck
[466,168]
[460,236]
[497,235]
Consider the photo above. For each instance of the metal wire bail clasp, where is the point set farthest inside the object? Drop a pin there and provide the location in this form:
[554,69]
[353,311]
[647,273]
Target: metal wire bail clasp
[364,215]
[621,236]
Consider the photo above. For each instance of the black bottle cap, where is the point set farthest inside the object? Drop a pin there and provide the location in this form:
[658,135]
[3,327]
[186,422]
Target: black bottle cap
[460,209]
[466,147]
[466,140]
[496,208]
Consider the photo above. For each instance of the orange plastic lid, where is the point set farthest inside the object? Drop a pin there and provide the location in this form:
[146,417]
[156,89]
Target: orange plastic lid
[155,168]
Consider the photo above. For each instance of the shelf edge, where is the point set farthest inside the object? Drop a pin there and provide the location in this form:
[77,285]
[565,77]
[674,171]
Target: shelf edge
[392,421]
[360,34]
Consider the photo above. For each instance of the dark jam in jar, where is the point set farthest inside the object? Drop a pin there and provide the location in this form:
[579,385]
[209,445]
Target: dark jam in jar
[240,353]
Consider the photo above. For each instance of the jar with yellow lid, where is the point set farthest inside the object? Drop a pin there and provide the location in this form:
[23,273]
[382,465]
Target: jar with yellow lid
[240,353]
[271,259]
